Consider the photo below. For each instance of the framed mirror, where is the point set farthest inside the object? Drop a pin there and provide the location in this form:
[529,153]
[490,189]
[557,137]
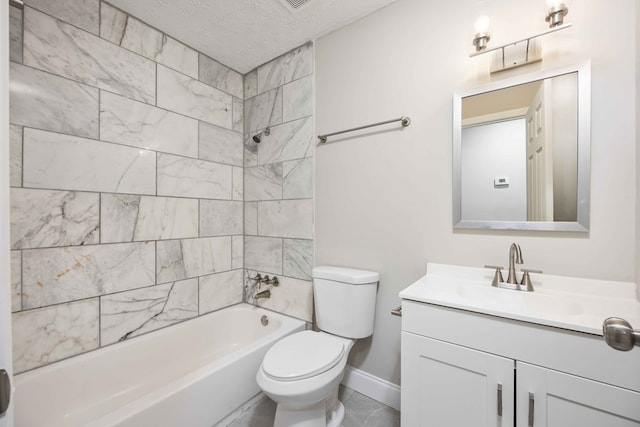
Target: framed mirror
[521,153]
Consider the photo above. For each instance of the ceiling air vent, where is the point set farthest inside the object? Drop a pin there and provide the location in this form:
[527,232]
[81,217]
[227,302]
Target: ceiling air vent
[294,5]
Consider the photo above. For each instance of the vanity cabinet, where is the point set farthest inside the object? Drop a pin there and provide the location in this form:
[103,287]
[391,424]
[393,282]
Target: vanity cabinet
[462,369]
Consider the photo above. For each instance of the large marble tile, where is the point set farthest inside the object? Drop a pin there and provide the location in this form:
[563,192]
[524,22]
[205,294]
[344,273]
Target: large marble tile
[182,94]
[293,297]
[238,115]
[52,45]
[16,281]
[128,314]
[288,67]
[130,33]
[53,333]
[362,411]
[238,184]
[297,179]
[263,111]
[46,218]
[263,182]
[44,101]
[15,34]
[220,218]
[220,290]
[292,140]
[263,254]
[297,258]
[250,218]
[130,218]
[56,161]
[237,252]
[286,218]
[251,84]
[297,99]
[182,177]
[184,259]
[221,77]
[52,276]
[15,156]
[84,14]
[220,145]
[134,123]
[250,151]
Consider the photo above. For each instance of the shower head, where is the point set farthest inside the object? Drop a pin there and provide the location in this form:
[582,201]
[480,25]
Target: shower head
[258,137]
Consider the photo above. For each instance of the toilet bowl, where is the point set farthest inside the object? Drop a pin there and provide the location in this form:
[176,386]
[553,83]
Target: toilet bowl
[302,372]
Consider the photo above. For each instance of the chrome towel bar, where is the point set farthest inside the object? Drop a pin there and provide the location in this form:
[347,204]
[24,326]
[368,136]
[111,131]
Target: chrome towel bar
[406,121]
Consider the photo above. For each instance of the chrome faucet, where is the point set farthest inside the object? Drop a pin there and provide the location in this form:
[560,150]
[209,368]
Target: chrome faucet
[515,257]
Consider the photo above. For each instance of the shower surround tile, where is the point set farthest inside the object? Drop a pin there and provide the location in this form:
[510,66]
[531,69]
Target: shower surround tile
[220,290]
[288,67]
[15,34]
[297,181]
[238,115]
[128,314]
[286,218]
[251,84]
[217,75]
[185,95]
[81,13]
[263,111]
[297,99]
[133,123]
[63,49]
[293,297]
[58,161]
[220,145]
[15,156]
[53,276]
[45,101]
[46,218]
[263,182]
[263,253]
[220,218]
[130,33]
[16,281]
[251,218]
[183,177]
[184,259]
[237,252]
[290,141]
[53,333]
[238,184]
[130,218]
[297,258]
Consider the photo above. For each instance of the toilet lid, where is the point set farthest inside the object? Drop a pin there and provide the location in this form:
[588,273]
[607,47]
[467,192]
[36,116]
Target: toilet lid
[302,355]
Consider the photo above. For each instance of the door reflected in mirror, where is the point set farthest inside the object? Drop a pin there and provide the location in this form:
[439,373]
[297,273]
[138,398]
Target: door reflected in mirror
[521,154]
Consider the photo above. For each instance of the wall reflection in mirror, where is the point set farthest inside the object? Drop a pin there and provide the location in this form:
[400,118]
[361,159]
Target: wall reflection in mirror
[521,161]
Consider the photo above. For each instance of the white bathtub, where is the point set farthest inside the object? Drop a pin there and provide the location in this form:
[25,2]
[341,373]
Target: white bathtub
[188,375]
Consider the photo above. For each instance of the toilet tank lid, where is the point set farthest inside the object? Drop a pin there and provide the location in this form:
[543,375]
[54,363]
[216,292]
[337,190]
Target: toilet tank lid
[345,275]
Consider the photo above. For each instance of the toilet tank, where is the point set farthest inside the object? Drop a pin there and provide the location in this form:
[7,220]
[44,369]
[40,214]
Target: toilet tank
[345,300]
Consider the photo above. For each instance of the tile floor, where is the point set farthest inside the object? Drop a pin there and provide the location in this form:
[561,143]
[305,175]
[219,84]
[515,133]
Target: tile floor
[360,411]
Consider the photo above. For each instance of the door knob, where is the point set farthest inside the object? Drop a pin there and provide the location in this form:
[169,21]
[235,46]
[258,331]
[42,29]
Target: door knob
[619,334]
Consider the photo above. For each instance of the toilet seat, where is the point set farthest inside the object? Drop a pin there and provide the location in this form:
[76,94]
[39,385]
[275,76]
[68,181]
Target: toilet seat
[302,355]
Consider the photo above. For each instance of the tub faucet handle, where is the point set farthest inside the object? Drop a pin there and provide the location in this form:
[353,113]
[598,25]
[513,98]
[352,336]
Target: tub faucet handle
[497,277]
[257,278]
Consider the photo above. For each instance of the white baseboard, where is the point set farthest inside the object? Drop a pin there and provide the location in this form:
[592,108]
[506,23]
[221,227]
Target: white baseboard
[371,386]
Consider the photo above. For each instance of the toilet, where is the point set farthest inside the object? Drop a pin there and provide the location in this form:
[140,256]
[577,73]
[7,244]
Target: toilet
[302,372]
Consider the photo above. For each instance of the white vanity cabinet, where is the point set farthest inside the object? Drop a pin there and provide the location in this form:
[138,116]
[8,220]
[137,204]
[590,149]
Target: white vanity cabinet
[467,369]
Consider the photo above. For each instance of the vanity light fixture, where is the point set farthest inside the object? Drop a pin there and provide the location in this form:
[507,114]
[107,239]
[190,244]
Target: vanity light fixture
[482,36]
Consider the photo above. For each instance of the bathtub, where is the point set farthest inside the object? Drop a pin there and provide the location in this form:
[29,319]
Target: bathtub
[188,375]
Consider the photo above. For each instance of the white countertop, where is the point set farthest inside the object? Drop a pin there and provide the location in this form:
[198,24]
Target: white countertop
[565,302]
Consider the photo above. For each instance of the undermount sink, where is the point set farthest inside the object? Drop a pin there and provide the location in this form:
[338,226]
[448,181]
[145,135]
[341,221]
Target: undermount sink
[566,302]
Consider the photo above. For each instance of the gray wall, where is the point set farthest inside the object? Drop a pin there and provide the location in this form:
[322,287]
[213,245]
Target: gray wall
[278,179]
[126,176]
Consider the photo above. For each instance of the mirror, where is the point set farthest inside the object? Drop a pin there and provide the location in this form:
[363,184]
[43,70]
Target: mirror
[521,153]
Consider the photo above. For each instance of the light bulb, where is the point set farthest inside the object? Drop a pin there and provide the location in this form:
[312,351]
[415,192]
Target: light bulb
[482,24]
[554,3]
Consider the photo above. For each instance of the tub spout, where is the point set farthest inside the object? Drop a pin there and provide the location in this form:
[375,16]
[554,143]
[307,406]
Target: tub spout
[262,294]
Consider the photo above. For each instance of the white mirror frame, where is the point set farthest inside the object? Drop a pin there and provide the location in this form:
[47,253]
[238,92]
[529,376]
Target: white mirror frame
[584,153]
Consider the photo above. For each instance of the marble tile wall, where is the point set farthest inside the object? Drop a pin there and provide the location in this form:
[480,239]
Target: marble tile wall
[127,176]
[278,180]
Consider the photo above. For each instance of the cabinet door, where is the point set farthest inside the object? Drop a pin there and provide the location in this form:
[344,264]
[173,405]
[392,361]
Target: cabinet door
[448,385]
[547,398]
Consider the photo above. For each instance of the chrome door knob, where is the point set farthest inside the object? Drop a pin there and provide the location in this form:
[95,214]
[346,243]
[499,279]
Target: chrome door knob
[619,334]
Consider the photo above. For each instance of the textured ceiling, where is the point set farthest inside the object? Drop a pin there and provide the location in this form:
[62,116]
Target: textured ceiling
[243,34]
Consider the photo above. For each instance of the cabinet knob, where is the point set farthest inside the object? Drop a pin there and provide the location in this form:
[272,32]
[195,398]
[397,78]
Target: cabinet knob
[619,334]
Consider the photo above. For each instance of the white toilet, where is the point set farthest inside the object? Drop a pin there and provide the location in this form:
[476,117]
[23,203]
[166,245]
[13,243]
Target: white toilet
[302,372]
